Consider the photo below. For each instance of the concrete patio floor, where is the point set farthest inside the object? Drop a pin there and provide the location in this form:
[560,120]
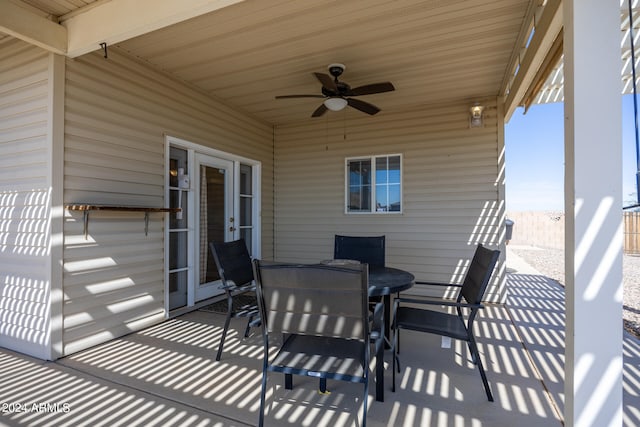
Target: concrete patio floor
[167,376]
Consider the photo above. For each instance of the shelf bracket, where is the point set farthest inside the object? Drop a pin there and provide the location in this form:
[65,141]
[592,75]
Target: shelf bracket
[85,215]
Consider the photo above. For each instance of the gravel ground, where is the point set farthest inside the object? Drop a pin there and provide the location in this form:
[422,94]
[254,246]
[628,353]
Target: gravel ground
[550,262]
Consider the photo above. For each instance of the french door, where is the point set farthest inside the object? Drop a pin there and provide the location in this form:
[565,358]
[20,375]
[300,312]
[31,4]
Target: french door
[216,195]
[214,201]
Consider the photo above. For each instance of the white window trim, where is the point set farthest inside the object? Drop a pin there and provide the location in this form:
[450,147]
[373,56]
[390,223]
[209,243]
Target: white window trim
[373,158]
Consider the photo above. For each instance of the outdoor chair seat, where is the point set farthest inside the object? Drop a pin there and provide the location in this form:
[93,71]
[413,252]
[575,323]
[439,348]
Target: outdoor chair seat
[310,355]
[431,321]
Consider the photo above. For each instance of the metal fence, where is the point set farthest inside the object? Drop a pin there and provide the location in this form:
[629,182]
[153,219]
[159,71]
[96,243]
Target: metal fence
[632,233]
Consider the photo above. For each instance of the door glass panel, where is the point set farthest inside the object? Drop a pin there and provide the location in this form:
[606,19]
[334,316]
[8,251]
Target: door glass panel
[178,220]
[245,233]
[212,218]
[178,282]
[177,246]
[178,230]
[246,205]
[245,179]
[245,211]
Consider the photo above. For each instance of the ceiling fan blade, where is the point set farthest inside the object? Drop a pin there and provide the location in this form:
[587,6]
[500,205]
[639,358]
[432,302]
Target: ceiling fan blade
[371,89]
[299,96]
[319,111]
[365,107]
[327,82]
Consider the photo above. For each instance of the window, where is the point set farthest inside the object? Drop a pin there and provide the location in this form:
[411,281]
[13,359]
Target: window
[374,184]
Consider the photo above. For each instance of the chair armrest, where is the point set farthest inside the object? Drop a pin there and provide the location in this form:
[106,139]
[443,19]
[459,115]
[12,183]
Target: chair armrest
[239,289]
[436,302]
[455,285]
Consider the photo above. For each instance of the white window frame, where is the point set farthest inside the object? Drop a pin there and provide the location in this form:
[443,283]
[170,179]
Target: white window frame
[372,158]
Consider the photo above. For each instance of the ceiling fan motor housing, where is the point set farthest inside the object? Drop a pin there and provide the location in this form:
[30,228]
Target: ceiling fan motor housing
[336,69]
[343,88]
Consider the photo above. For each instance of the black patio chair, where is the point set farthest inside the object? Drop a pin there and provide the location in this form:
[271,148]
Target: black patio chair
[319,314]
[458,325]
[236,272]
[366,249]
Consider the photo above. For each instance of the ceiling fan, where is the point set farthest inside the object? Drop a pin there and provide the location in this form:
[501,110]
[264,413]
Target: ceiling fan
[337,95]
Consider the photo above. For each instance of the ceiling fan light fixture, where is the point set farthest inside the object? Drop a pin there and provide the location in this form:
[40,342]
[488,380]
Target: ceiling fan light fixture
[335,103]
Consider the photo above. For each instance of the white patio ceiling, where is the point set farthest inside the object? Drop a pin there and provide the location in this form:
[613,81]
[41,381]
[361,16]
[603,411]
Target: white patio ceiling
[433,51]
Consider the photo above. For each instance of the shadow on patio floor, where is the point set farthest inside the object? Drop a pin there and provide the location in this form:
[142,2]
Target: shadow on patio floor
[536,306]
[167,375]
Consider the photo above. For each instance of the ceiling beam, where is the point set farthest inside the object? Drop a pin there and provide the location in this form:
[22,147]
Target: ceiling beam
[25,25]
[118,20]
[547,28]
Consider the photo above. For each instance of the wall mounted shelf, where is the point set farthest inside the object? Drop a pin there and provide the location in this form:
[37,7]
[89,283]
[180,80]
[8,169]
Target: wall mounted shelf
[86,208]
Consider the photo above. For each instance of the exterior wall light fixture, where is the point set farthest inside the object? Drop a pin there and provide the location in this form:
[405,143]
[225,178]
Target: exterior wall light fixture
[476,119]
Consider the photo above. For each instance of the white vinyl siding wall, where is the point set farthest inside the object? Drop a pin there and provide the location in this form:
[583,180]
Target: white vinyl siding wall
[117,114]
[25,198]
[452,189]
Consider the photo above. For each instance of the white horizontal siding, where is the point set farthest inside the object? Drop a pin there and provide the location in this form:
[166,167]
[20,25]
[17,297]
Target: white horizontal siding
[451,189]
[25,203]
[117,113]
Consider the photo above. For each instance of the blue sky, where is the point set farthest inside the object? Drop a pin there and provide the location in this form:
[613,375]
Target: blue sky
[535,157]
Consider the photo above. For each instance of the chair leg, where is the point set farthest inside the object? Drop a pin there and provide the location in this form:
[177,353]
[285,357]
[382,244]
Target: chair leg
[224,335]
[397,346]
[246,331]
[263,393]
[365,398]
[379,346]
[474,359]
[288,381]
[396,360]
[393,375]
[323,386]
[483,375]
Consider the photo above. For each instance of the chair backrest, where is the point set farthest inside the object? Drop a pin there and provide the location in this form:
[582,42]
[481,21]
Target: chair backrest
[478,275]
[368,250]
[319,300]
[233,261]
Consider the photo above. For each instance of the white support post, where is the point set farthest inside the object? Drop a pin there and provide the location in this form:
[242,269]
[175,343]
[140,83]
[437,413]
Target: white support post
[55,143]
[593,205]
